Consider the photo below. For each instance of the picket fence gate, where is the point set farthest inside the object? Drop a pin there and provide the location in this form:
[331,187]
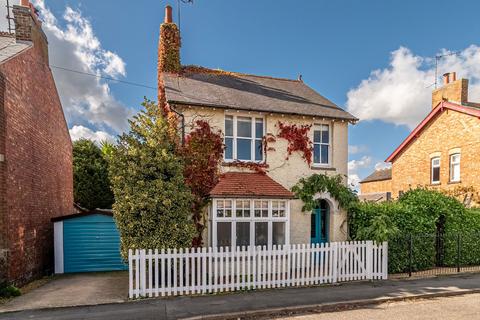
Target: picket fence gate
[154,273]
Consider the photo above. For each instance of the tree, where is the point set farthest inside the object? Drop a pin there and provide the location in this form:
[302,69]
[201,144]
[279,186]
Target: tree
[152,203]
[91,185]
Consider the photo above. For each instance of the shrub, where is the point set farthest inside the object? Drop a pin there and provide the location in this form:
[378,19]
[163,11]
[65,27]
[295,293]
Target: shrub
[9,291]
[91,185]
[152,203]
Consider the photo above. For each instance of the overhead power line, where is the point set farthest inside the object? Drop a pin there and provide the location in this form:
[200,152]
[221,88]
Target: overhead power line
[105,78]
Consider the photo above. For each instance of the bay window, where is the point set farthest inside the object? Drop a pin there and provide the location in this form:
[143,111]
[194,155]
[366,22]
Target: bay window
[455,167]
[258,222]
[321,145]
[243,138]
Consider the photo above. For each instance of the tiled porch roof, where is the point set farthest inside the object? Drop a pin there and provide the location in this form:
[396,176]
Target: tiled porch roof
[244,184]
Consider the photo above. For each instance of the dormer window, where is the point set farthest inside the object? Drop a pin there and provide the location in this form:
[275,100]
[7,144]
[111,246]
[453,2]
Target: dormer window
[243,138]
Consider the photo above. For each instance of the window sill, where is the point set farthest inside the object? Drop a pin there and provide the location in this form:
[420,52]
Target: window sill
[454,182]
[233,163]
[435,184]
[326,168]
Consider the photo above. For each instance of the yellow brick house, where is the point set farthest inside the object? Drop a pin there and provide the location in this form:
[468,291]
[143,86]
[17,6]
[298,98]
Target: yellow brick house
[441,152]
[248,207]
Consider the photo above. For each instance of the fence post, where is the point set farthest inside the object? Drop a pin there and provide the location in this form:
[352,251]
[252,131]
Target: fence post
[385,261]
[369,258]
[130,274]
[410,255]
[143,275]
[334,249]
[458,252]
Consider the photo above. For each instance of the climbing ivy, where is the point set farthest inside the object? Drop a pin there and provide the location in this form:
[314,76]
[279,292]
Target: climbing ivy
[306,188]
[298,140]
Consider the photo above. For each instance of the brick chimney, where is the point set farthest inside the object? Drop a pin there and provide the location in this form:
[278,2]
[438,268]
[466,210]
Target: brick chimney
[453,90]
[29,28]
[169,45]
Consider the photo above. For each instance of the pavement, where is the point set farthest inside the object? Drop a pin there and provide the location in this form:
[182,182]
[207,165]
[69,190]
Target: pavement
[465,307]
[70,290]
[265,303]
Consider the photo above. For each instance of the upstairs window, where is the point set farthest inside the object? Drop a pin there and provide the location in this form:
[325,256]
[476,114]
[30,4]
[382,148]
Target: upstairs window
[455,167]
[435,171]
[243,138]
[321,145]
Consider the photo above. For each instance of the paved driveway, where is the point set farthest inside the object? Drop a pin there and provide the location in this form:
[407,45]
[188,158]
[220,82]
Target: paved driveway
[74,290]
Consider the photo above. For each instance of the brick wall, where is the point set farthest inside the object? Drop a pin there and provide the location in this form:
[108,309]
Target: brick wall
[376,186]
[38,164]
[450,132]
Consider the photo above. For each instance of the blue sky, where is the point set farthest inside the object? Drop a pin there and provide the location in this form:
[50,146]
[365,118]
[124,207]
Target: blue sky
[370,57]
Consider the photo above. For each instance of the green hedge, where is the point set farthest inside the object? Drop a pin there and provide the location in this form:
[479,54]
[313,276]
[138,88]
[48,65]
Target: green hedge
[426,218]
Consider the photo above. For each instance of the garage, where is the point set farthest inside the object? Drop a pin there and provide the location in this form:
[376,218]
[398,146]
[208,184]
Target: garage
[87,242]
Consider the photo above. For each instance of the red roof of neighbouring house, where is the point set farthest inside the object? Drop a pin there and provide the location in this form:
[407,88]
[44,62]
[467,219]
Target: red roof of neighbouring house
[442,106]
[245,184]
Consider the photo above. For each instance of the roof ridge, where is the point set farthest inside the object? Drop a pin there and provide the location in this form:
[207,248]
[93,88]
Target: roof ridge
[201,69]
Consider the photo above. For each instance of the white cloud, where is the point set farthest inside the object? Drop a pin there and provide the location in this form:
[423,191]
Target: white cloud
[401,93]
[79,132]
[354,166]
[355,149]
[86,100]
[382,165]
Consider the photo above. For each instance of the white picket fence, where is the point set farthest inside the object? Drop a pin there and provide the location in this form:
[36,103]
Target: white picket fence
[211,270]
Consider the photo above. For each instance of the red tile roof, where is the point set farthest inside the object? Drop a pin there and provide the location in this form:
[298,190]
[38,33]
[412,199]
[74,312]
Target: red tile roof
[442,106]
[244,184]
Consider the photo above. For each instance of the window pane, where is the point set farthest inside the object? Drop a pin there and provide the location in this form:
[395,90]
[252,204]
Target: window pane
[436,174]
[261,209]
[456,172]
[244,149]
[258,128]
[228,208]
[278,233]
[229,148]
[224,234]
[261,233]
[324,154]
[229,126]
[244,127]
[220,210]
[316,136]
[323,227]
[316,153]
[258,150]
[243,233]
[325,135]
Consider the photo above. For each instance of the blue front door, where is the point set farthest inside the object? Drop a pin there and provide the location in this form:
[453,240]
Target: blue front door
[319,223]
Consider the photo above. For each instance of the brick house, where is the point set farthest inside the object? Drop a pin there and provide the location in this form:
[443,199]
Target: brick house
[36,182]
[248,207]
[441,152]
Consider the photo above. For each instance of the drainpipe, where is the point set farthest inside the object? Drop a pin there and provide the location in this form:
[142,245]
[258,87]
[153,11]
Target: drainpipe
[182,121]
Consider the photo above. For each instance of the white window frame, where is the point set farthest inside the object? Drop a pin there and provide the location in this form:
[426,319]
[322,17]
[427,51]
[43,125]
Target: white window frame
[432,166]
[318,127]
[251,219]
[452,164]
[253,137]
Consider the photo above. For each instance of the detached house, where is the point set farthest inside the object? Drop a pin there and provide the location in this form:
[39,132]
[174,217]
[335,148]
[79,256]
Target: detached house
[36,181]
[440,153]
[250,207]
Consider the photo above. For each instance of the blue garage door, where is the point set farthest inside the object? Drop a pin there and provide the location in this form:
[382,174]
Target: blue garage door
[91,243]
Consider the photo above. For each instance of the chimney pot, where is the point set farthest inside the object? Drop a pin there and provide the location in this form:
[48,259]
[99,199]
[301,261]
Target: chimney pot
[168,14]
[446,78]
[453,76]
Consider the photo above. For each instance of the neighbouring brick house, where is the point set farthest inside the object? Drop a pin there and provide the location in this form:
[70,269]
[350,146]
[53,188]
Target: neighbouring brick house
[441,152]
[249,207]
[36,182]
